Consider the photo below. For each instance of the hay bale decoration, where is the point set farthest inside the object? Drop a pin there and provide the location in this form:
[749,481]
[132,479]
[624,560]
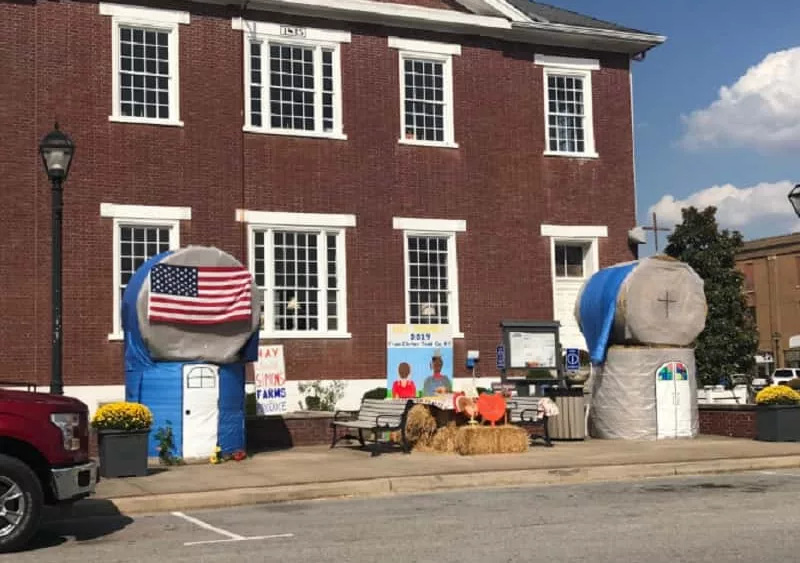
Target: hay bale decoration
[656,301]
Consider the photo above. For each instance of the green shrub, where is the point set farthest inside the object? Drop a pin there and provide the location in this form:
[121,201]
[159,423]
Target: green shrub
[377,393]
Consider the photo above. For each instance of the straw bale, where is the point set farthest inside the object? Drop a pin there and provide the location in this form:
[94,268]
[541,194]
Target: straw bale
[420,425]
[478,440]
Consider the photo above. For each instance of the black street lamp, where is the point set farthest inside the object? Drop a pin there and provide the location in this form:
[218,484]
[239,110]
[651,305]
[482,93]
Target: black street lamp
[57,149]
[794,199]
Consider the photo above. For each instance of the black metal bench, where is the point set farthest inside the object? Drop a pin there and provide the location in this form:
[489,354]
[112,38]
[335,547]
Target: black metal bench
[524,411]
[375,415]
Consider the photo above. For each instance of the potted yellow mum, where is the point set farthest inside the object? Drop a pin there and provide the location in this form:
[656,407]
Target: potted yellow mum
[123,430]
[778,414]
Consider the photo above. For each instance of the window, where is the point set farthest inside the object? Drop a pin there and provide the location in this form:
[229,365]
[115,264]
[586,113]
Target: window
[747,273]
[145,64]
[569,260]
[140,232]
[431,271]
[569,126]
[201,377]
[426,91]
[293,82]
[299,264]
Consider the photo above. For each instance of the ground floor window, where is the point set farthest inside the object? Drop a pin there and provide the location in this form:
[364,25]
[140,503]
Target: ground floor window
[140,232]
[299,264]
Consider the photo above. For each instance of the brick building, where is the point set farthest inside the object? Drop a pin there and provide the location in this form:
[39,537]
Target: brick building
[771,269]
[369,157]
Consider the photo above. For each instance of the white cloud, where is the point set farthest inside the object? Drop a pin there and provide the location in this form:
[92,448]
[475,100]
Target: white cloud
[759,210]
[761,110]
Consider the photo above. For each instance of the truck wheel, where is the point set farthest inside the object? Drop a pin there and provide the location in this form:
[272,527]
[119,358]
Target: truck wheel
[21,502]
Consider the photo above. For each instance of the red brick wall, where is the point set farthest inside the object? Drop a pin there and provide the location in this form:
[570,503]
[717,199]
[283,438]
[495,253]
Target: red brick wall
[56,63]
[270,432]
[728,420]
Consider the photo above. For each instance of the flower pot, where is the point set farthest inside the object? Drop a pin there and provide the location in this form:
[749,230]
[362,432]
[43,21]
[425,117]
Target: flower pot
[778,423]
[123,453]
[313,403]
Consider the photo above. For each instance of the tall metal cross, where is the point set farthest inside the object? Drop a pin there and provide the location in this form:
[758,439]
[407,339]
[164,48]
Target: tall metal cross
[655,228]
[666,301]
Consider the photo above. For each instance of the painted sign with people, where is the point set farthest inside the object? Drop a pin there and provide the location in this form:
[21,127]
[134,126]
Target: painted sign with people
[419,360]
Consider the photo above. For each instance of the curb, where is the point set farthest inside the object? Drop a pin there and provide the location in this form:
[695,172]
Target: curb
[364,488]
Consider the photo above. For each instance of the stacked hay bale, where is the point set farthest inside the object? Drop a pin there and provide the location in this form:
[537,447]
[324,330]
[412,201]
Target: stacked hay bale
[640,320]
[425,435]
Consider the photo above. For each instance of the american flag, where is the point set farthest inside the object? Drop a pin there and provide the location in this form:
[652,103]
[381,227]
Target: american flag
[199,295]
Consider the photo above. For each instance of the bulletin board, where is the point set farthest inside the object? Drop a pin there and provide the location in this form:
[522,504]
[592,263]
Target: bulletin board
[532,347]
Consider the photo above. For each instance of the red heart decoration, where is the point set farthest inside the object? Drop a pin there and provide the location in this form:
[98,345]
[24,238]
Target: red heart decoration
[491,407]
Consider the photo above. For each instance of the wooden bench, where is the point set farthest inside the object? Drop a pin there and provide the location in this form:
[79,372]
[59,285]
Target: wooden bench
[523,411]
[377,416]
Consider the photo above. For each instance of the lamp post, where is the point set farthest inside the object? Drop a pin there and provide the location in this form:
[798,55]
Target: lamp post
[56,149]
[794,199]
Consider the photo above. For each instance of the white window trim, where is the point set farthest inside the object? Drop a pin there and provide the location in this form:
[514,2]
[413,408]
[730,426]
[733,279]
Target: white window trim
[268,32]
[141,215]
[434,51]
[150,18]
[588,235]
[578,68]
[268,221]
[437,228]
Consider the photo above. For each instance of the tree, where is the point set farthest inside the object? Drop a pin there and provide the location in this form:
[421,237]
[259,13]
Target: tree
[730,340]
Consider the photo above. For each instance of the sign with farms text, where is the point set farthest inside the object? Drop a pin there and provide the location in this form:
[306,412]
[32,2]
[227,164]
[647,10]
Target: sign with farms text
[270,378]
[419,360]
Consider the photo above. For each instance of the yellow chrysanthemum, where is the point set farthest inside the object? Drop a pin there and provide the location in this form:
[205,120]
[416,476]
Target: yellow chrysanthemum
[123,416]
[778,395]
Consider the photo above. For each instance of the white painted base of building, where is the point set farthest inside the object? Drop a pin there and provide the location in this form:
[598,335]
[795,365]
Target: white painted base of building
[96,395]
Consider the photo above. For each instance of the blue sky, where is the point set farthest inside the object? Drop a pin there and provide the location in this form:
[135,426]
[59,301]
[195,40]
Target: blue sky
[750,142]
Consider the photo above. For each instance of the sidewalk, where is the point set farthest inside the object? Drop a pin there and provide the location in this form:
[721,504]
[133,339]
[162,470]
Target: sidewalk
[319,472]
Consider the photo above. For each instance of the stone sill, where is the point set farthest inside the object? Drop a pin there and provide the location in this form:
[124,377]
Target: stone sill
[297,415]
[713,407]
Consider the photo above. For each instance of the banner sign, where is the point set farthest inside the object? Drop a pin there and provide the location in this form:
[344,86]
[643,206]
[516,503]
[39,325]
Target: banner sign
[270,378]
[419,360]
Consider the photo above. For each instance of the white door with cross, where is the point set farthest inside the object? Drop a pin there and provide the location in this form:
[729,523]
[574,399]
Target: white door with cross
[673,401]
[200,410]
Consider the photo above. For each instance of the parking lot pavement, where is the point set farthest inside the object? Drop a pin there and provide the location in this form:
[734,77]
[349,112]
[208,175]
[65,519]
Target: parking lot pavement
[708,518]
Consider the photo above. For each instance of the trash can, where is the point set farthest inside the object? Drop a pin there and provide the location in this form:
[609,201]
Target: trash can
[570,423]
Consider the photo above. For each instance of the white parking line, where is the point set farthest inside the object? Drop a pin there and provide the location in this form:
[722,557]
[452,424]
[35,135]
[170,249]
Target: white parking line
[230,536]
[780,473]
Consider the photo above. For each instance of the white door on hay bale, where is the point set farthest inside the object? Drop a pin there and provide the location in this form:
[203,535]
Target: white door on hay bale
[200,410]
[673,401]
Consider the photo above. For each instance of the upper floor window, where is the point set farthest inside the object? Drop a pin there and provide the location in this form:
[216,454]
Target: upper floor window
[569,129]
[140,232]
[569,260]
[293,82]
[298,261]
[426,91]
[144,51]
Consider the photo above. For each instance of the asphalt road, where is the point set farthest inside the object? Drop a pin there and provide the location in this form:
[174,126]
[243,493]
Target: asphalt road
[747,517]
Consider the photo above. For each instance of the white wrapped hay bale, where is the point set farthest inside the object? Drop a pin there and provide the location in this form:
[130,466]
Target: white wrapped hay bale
[645,394]
[218,343]
[658,301]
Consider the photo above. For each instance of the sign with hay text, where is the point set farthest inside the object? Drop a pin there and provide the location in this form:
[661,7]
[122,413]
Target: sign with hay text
[419,360]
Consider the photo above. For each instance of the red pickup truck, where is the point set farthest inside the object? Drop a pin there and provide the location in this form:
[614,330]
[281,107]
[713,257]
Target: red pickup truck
[44,460]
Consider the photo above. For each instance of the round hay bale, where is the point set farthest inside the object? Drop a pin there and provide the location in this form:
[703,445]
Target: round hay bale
[218,343]
[420,426]
[480,440]
[661,301]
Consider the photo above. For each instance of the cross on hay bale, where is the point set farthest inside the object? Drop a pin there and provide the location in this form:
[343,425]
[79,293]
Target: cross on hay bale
[479,440]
